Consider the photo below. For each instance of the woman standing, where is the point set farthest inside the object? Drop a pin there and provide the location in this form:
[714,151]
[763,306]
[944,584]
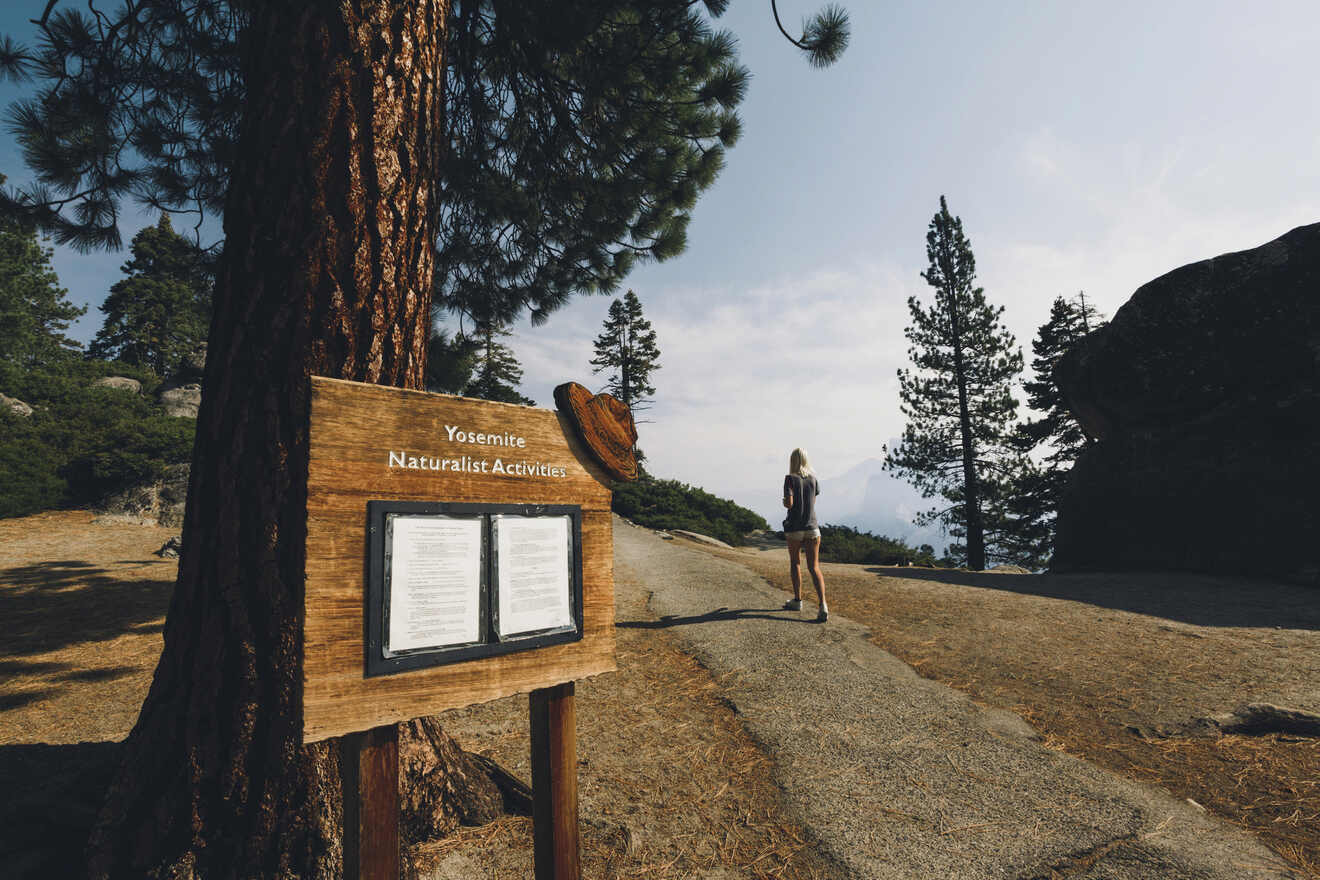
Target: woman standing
[801,530]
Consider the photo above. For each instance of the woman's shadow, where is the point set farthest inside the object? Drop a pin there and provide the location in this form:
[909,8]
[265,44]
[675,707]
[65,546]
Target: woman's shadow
[717,616]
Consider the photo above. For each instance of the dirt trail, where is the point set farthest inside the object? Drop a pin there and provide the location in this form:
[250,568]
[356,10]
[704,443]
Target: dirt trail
[901,776]
[1114,668]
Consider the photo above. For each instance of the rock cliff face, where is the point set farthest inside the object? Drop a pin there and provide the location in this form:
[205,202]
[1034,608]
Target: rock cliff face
[1204,396]
[180,400]
[160,502]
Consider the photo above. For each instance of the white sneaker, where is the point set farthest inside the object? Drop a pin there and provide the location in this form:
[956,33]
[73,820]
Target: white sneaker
[793,605]
[824,615]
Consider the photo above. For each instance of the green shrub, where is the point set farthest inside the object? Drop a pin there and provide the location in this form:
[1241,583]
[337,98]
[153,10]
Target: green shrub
[83,442]
[29,469]
[669,504]
[846,544]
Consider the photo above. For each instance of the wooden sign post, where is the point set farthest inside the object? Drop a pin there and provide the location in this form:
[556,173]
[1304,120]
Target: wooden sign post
[458,551]
[370,775]
[554,783]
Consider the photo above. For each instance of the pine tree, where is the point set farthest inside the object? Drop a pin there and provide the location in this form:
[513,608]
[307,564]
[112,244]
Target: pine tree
[34,309]
[1069,321]
[450,361]
[327,269]
[1032,500]
[958,398]
[161,312]
[496,373]
[626,349]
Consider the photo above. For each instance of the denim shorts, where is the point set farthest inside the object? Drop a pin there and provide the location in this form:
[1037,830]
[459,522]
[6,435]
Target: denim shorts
[804,535]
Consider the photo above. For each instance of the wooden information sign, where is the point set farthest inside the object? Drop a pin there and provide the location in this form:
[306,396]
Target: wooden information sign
[458,551]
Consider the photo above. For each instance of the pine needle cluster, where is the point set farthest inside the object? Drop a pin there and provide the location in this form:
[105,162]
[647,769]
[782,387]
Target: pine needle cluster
[582,134]
[579,133]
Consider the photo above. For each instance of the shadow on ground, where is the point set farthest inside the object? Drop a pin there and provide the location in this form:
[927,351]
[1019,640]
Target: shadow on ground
[51,605]
[719,614]
[56,674]
[52,795]
[1197,599]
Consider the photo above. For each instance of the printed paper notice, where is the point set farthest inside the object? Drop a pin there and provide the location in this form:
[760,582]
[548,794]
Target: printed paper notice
[534,584]
[435,582]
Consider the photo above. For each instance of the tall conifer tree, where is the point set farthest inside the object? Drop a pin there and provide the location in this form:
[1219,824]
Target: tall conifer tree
[161,312]
[1069,321]
[34,310]
[496,373]
[957,398]
[1028,508]
[627,353]
[450,360]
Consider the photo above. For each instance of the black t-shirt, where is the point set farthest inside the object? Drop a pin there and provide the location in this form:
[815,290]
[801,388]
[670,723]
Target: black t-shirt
[802,515]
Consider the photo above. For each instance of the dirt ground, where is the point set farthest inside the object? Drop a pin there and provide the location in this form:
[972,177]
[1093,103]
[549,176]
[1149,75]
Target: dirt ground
[1108,667]
[1114,667]
[670,784]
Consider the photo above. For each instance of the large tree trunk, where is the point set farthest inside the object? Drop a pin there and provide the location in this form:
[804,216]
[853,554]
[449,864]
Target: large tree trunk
[971,488]
[971,491]
[327,270]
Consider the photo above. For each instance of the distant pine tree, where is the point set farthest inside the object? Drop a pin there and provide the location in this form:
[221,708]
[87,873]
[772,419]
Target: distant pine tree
[626,349]
[161,312]
[958,397]
[1028,507]
[496,373]
[626,352]
[1069,321]
[450,361]
[34,310]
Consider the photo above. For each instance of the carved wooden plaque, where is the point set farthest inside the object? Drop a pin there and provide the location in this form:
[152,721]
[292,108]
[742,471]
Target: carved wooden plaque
[372,443]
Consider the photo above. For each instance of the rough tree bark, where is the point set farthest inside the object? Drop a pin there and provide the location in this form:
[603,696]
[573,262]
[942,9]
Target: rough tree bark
[327,270]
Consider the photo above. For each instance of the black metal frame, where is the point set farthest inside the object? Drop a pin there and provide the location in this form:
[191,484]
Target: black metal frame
[376,612]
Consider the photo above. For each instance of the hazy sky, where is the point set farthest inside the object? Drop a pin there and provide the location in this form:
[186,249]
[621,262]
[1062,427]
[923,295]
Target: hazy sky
[1086,145]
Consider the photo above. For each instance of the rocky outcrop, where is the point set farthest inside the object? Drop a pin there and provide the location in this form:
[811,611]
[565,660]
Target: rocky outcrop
[121,383]
[181,401]
[1203,393]
[15,406]
[160,502]
[181,395]
[701,539]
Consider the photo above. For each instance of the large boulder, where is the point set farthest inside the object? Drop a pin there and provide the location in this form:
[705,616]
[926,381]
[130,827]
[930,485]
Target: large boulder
[15,406]
[181,394]
[120,383]
[180,400]
[160,502]
[1203,394]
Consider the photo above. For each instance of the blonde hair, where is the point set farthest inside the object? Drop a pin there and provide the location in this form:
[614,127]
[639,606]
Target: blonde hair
[798,463]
